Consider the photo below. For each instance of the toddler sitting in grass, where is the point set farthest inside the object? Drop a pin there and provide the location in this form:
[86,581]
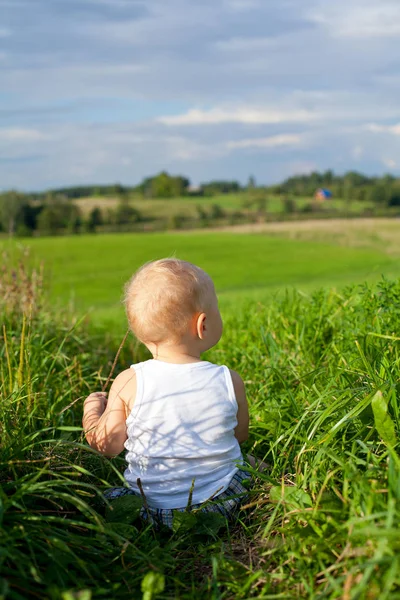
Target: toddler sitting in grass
[181,419]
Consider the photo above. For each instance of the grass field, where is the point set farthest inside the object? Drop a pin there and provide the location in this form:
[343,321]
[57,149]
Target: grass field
[90,271]
[187,206]
[322,376]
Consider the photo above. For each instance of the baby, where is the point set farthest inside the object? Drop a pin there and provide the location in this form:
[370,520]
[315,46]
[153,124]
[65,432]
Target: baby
[180,419]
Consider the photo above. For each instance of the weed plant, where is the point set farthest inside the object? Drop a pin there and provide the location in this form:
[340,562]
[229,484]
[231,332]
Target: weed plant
[322,377]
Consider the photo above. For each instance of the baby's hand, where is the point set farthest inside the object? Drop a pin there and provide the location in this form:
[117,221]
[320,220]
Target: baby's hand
[96,399]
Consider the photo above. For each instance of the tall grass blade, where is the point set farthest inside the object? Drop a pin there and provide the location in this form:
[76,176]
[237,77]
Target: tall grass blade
[383,421]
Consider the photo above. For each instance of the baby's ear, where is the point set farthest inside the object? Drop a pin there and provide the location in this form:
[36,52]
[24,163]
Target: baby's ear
[201,325]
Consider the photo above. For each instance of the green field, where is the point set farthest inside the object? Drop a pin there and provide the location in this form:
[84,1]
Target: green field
[187,206]
[321,369]
[90,271]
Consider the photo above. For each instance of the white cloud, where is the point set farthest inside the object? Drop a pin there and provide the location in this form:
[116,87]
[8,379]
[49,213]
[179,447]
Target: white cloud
[376,128]
[267,142]
[14,134]
[181,148]
[245,115]
[359,18]
[134,86]
[389,162]
[357,152]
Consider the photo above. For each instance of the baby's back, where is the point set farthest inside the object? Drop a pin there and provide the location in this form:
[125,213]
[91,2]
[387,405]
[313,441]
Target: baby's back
[182,428]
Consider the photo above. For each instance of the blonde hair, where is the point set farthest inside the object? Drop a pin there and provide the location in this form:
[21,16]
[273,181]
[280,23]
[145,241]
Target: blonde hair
[163,296]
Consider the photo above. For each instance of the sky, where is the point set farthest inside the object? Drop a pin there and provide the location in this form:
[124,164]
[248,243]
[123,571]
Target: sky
[105,91]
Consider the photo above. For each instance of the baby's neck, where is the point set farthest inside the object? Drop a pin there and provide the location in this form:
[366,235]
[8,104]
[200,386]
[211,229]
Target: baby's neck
[179,354]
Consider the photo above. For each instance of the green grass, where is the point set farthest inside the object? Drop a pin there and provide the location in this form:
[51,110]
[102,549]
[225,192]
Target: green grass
[89,272]
[322,377]
[187,206]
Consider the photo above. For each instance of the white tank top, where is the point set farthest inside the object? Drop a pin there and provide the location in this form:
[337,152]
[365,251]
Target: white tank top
[182,428]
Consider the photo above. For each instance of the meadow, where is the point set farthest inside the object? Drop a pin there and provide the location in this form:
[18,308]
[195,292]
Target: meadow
[245,201]
[88,272]
[312,327]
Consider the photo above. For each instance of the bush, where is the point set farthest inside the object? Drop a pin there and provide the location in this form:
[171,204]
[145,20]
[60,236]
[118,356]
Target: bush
[394,199]
[216,212]
[309,207]
[94,220]
[176,221]
[126,214]
[289,205]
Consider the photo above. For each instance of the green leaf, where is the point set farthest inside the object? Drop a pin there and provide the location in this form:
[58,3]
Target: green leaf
[81,595]
[291,496]
[124,530]
[152,585]
[394,477]
[124,509]
[68,428]
[3,588]
[184,521]
[383,421]
[209,523]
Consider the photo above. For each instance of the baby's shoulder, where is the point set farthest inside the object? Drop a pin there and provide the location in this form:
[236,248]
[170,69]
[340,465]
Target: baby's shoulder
[124,386]
[125,376]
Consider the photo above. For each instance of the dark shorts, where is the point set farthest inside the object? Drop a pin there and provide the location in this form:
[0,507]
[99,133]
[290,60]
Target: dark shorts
[227,503]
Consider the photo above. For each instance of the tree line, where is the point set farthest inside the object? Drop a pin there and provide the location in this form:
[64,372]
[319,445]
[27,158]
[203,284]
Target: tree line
[54,210]
[162,185]
[352,185]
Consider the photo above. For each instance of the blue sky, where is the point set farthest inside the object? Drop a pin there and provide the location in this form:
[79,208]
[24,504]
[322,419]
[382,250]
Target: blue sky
[100,91]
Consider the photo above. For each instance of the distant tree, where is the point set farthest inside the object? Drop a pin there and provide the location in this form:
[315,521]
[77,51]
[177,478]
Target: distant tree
[220,187]
[261,204]
[201,212]
[29,215]
[176,221]
[251,184]
[126,214]
[348,191]
[81,191]
[50,220]
[117,190]
[354,179]
[11,210]
[58,214]
[306,185]
[95,219]
[388,180]
[394,199]
[378,194]
[73,219]
[217,212]
[164,185]
[360,193]
[289,205]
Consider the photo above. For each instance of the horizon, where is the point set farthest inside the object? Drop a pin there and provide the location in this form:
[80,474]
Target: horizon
[112,90]
[243,185]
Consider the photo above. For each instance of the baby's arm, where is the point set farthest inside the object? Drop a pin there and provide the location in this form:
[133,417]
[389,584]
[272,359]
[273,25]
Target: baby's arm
[242,428]
[104,421]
